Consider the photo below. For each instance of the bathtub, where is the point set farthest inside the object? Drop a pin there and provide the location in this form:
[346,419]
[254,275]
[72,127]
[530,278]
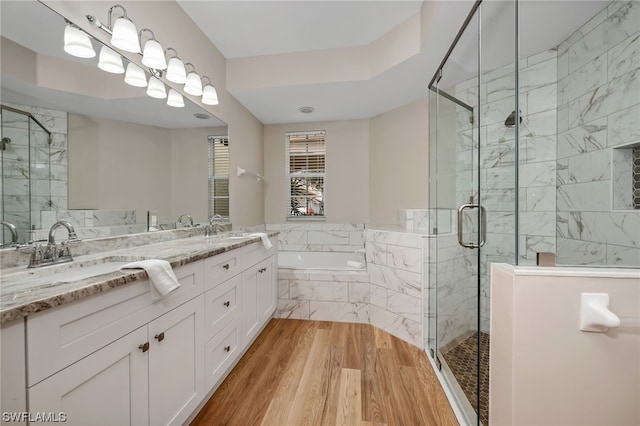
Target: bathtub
[320,260]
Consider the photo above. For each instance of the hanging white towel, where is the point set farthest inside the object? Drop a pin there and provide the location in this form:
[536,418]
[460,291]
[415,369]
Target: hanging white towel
[162,278]
[265,239]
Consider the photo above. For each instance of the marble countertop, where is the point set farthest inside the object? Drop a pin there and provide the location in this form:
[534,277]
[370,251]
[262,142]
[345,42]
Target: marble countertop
[26,291]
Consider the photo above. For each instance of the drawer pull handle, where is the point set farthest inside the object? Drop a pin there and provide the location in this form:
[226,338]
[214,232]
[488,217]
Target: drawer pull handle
[227,303]
[159,337]
[144,347]
[227,348]
[225,266]
[262,270]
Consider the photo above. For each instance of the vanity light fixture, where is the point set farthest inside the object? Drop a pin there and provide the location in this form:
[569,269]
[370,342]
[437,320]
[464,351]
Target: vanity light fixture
[135,76]
[156,88]
[153,53]
[209,93]
[77,43]
[193,85]
[110,61]
[176,72]
[124,33]
[175,99]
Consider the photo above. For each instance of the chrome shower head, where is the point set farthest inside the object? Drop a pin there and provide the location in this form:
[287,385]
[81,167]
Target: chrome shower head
[511,119]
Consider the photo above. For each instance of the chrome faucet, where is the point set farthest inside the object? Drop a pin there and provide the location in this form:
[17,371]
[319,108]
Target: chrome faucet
[214,227]
[53,254]
[13,230]
[188,217]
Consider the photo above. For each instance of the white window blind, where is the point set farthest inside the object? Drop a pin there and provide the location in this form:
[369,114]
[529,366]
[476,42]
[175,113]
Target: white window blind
[219,176]
[306,173]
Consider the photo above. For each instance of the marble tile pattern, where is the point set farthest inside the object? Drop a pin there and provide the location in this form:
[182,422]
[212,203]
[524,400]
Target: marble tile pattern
[91,223]
[596,223]
[30,158]
[318,236]
[388,295]
[25,292]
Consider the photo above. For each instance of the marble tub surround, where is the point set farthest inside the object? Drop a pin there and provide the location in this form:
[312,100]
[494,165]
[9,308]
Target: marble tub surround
[26,291]
[315,236]
[389,295]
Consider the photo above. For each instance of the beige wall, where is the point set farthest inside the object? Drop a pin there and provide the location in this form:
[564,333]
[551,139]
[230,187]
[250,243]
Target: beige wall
[347,162]
[544,370]
[119,166]
[173,27]
[399,163]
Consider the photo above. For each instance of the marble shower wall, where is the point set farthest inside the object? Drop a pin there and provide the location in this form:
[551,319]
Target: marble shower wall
[497,168]
[49,182]
[598,129]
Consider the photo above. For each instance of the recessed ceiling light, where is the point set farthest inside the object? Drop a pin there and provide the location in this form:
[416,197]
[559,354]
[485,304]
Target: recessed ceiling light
[201,116]
[306,110]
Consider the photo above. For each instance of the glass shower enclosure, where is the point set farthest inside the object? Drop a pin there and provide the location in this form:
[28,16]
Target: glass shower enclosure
[25,168]
[532,147]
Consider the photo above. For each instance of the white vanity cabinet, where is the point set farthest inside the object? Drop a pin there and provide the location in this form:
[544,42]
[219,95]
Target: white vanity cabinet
[124,358]
[152,375]
[259,289]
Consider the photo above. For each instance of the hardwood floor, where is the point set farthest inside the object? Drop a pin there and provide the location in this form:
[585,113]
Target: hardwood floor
[328,373]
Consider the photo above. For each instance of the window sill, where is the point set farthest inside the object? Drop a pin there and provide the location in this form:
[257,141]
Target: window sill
[306,219]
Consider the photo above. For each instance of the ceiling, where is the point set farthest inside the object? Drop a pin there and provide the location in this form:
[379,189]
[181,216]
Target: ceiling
[250,33]
[287,29]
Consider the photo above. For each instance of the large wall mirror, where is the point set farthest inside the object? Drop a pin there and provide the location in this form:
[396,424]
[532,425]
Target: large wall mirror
[80,144]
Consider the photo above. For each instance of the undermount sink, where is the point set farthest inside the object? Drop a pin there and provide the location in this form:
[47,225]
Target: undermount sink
[89,271]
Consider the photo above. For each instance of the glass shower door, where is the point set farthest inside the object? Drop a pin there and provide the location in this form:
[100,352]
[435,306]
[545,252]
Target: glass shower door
[454,247]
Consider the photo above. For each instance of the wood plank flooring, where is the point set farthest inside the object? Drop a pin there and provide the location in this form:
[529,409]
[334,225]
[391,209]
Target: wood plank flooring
[328,373]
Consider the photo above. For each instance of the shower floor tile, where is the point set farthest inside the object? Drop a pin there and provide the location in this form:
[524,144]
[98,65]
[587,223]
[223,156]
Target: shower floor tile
[462,361]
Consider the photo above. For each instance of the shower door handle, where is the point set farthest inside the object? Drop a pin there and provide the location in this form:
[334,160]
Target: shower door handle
[483,225]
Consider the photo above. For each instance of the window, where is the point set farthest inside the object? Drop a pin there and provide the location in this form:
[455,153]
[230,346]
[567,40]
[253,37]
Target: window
[219,176]
[306,174]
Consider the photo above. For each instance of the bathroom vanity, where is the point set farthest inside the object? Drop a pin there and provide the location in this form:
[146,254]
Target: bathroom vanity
[103,350]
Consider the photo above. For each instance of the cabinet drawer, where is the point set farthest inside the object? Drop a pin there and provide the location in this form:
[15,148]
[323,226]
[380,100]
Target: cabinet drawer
[254,253]
[220,352]
[222,305]
[61,336]
[220,268]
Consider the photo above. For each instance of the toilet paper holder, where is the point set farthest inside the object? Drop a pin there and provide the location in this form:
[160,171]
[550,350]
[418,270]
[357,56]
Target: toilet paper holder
[595,315]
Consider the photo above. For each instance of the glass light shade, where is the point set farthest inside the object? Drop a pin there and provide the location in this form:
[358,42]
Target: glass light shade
[193,86]
[156,88]
[209,95]
[77,43]
[153,55]
[176,71]
[125,35]
[175,99]
[135,76]
[110,61]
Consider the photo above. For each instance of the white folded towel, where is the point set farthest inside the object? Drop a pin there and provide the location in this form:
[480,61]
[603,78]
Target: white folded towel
[265,239]
[162,278]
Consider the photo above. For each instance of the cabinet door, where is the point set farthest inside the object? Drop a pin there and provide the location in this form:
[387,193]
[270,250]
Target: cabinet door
[109,387]
[267,289]
[250,317]
[176,363]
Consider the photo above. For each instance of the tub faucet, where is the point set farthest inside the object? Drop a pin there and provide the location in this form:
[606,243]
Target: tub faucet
[188,217]
[53,254]
[13,230]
